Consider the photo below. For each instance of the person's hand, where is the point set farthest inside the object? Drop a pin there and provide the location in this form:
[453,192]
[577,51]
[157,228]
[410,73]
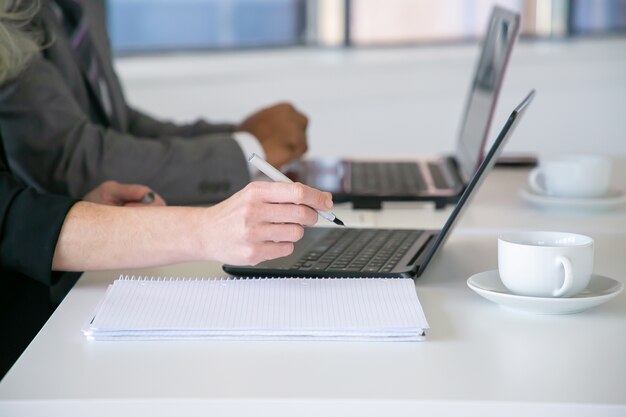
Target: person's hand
[281,130]
[113,193]
[261,222]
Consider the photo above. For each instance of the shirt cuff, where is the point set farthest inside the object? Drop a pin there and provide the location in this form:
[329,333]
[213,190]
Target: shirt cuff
[249,145]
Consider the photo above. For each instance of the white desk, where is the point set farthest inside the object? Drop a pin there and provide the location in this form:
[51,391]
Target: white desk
[478,359]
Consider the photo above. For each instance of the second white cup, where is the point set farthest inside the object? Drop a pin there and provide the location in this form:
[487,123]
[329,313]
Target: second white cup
[545,264]
[572,176]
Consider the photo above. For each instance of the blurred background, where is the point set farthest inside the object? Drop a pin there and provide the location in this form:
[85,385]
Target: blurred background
[366,70]
[166,25]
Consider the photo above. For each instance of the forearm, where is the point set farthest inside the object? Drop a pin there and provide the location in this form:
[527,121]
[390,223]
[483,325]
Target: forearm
[95,237]
[260,222]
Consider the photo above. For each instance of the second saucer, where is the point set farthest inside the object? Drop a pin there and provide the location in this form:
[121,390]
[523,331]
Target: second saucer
[610,200]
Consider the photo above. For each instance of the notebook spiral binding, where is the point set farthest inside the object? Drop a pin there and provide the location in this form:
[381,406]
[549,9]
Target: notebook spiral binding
[186,279]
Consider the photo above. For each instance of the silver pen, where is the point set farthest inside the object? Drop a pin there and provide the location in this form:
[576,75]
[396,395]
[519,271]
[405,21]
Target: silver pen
[278,176]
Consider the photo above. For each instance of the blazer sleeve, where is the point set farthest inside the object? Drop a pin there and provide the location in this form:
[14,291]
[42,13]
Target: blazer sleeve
[52,145]
[30,224]
[142,124]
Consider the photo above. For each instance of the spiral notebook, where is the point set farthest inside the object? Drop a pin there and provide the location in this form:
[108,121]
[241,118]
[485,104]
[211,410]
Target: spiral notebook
[358,309]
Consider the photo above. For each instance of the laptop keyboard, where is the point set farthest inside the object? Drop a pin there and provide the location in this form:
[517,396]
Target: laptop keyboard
[386,178]
[437,175]
[355,250]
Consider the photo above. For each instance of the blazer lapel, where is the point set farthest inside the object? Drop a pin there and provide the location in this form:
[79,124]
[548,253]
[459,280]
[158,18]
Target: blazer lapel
[70,15]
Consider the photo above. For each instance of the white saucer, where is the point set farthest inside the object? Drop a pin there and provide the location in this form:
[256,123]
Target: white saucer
[600,290]
[612,199]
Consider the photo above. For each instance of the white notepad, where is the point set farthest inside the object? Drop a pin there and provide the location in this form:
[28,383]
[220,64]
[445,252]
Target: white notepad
[140,308]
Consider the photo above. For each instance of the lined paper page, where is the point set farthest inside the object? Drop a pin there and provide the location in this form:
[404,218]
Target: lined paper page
[275,308]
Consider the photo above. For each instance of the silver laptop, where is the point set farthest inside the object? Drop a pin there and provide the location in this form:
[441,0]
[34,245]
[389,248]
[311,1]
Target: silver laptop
[345,252]
[442,180]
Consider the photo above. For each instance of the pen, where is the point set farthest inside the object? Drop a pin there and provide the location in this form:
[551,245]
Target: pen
[147,198]
[278,176]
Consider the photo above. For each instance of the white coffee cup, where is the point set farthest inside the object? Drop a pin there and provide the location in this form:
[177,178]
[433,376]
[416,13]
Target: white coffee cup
[545,264]
[572,176]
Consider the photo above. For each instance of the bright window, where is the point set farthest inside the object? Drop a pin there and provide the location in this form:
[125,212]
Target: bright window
[162,25]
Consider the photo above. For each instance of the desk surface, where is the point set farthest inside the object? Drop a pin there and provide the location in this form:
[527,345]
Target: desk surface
[479,359]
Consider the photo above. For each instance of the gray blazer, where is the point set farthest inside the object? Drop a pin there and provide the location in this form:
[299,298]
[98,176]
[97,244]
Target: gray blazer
[58,137]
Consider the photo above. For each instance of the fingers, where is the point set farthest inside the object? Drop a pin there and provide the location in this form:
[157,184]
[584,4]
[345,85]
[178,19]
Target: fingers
[281,130]
[134,195]
[290,193]
[264,220]
[271,241]
[158,201]
[294,135]
[300,145]
[266,251]
[151,199]
[116,194]
[298,117]
[130,193]
[295,140]
[301,120]
[277,232]
[291,213]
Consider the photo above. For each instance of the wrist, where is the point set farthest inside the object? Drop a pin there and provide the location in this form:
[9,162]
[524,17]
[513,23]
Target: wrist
[196,240]
[206,242]
[181,232]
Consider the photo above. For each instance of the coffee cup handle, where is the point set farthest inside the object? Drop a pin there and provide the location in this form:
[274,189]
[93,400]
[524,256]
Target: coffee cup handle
[568,280]
[535,182]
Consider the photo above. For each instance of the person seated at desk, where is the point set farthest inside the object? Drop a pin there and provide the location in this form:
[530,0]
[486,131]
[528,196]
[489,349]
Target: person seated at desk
[40,233]
[67,127]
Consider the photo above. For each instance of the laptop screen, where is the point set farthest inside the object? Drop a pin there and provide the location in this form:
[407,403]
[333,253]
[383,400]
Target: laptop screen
[497,46]
[478,177]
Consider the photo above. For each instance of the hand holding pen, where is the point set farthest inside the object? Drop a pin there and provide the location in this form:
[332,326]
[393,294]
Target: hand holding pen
[262,221]
[278,176]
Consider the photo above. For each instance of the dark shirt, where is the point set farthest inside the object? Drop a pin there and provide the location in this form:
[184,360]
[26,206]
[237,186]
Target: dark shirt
[30,223]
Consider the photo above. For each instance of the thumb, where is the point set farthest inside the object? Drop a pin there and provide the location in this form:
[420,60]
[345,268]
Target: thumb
[149,199]
[128,193]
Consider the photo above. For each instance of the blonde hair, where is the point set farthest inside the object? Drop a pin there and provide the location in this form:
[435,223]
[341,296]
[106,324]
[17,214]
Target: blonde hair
[18,44]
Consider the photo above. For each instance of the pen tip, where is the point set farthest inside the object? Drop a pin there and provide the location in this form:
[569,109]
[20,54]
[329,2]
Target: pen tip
[339,222]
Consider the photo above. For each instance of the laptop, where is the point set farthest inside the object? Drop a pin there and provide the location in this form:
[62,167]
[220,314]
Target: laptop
[373,252]
[368,183]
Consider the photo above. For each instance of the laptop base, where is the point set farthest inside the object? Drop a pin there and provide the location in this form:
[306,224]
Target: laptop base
[376,203]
